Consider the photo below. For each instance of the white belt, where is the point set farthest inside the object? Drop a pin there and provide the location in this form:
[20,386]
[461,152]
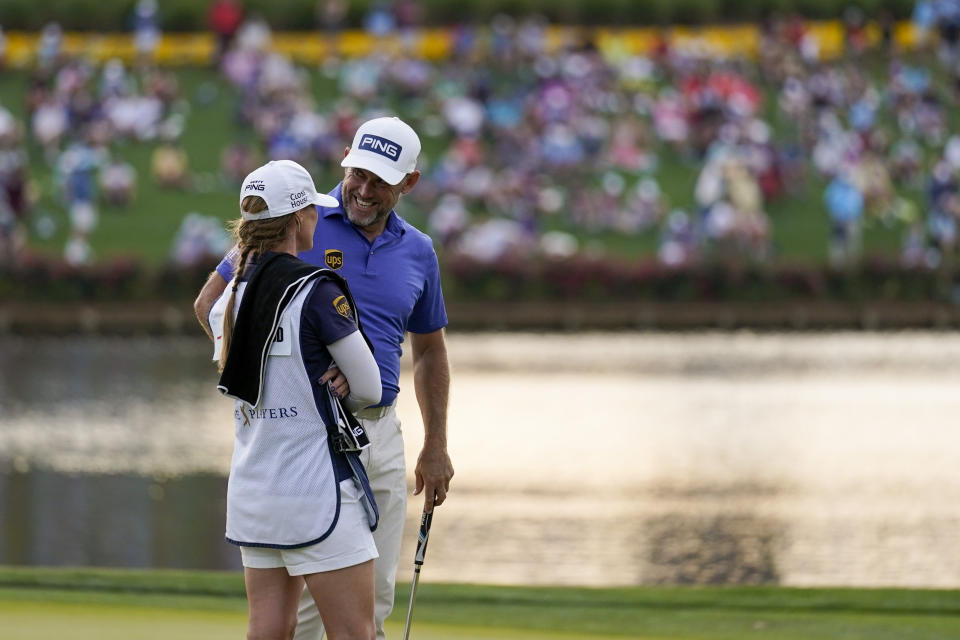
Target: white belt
[373,413]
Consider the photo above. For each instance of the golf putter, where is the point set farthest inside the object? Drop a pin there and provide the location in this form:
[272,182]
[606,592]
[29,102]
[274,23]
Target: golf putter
[422,539]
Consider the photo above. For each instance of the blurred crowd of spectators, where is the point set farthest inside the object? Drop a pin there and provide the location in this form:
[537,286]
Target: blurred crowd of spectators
[84,120]
[528,145]
[524,143]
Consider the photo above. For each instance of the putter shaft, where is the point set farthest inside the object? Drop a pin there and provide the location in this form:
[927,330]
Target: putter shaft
[413,593]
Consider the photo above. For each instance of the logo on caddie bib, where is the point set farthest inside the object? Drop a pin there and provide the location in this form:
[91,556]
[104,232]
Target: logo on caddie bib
[333,258]
[342,306]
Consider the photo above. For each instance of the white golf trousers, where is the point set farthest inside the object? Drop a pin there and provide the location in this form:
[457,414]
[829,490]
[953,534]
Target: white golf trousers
[386,468]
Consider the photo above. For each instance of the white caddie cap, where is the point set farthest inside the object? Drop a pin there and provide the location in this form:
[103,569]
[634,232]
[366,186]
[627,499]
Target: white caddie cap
[285,186]
[386,146]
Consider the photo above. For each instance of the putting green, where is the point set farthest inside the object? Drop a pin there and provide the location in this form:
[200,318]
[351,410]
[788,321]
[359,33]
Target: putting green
[27,620]
[107,604]
[31,620]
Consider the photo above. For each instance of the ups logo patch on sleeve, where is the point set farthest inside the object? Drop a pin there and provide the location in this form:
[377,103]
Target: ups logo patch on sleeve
[342,306]
[333,258]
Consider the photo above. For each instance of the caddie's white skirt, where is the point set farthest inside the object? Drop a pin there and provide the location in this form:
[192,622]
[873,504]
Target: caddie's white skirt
[350,543]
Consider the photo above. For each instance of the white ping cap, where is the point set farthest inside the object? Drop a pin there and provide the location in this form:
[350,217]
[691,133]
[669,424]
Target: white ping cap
[386,146]
[285,186]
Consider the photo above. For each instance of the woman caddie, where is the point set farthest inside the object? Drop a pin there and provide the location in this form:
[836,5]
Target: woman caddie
[298,501]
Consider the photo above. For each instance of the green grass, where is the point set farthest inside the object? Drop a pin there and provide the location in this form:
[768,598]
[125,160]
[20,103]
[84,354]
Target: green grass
[103,603]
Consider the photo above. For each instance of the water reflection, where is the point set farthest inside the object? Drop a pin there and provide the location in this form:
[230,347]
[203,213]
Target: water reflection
[598,460]
[122,520]
[724,548]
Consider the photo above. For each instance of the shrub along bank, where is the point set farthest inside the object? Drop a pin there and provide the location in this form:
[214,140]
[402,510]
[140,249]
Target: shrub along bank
[122,296]
[580,279]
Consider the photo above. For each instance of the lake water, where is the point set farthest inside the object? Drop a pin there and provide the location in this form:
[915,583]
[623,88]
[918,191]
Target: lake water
[597,459]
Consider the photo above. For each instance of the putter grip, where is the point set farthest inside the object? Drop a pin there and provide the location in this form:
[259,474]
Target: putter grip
[423,537]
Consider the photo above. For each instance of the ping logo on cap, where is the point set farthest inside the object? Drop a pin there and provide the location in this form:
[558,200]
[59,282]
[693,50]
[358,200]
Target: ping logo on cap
[255,185]
[381,146]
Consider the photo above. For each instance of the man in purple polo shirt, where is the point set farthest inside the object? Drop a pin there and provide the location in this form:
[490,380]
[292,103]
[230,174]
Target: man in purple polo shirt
[392,271]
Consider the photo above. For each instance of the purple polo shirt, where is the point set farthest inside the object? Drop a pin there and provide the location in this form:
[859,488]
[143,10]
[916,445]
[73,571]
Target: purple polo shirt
[395,281]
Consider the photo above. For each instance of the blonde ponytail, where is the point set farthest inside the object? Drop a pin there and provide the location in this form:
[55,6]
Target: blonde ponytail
[254,238]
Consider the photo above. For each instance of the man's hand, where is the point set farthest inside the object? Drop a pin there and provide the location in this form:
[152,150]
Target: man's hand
[433,473]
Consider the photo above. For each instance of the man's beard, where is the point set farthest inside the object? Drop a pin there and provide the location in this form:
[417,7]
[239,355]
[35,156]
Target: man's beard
[361,221]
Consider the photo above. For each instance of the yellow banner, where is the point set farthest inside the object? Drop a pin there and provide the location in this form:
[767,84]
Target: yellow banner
[312,47]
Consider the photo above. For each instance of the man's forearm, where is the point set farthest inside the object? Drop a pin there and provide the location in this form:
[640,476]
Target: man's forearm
[431,382]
